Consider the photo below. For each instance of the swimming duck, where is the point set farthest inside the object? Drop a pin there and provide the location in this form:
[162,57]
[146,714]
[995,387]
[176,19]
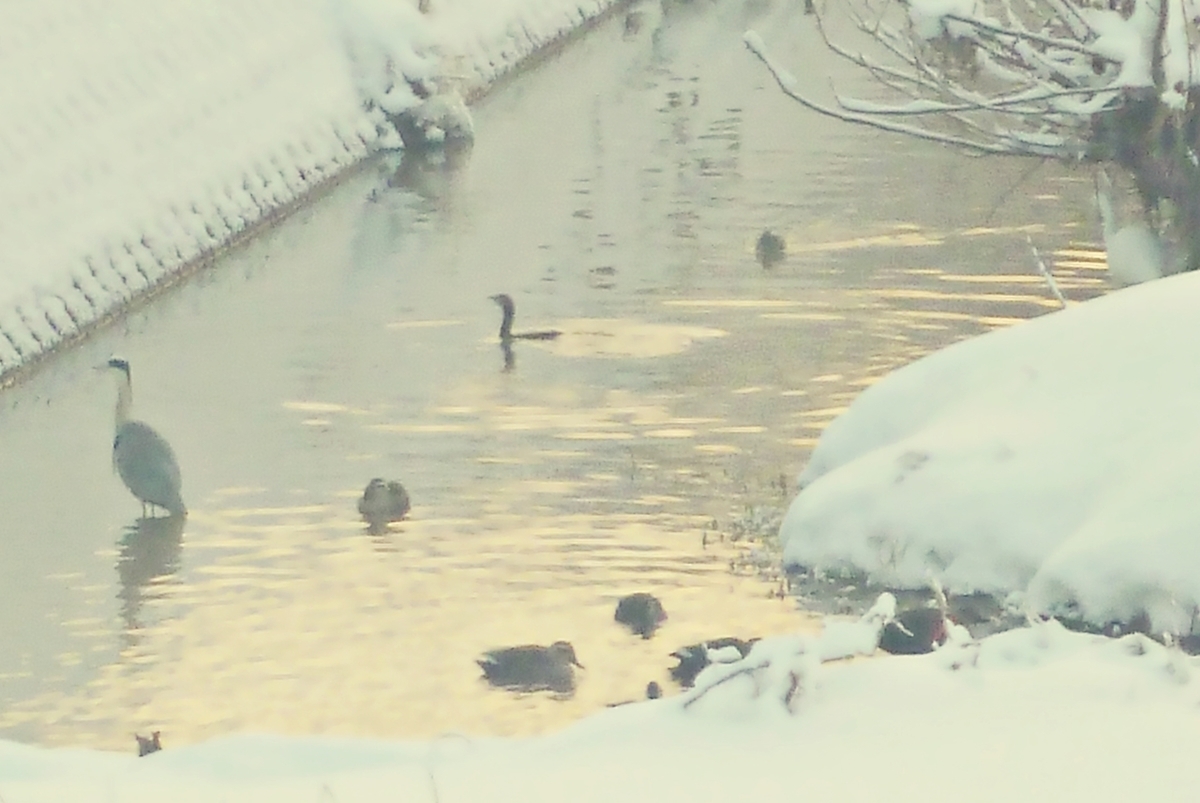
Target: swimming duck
[532,667]
[505,303]
[642,613]
[694,657]
[914,632]
[382,502]
[770,248]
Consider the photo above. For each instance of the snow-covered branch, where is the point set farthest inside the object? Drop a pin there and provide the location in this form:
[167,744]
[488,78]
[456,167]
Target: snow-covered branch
[1046,78]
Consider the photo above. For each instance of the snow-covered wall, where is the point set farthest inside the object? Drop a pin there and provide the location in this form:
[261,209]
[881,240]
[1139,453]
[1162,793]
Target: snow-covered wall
[137,136]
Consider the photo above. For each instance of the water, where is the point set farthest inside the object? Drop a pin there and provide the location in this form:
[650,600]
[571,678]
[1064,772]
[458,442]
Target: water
[616,192]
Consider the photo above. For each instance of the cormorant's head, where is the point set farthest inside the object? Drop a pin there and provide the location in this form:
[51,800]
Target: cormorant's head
[504,300]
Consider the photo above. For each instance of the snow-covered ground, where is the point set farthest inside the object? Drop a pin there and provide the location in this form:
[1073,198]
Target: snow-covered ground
[1037,713]
[1055,459]
[137,136]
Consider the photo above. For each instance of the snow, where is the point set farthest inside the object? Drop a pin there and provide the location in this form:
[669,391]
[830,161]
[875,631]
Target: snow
[137,136]
[1039,710]
[1054,460]
[1135,253]
[928,16]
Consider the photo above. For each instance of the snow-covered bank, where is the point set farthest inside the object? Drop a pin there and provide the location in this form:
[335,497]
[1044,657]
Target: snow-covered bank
[1037,711]
[136,137]
[1056,459]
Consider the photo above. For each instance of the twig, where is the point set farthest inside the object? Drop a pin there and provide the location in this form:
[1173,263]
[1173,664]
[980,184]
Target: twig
[785,82]
[1065,44]
[1042,269]
[937,107]
[746,670]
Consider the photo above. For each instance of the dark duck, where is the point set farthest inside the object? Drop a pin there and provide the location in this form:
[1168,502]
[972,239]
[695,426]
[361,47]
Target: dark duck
[383,502]
[532,667]
[507,335]
[770,248]
[642,613]
[914,632]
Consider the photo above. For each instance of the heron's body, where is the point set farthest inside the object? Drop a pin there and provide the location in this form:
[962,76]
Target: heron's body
[532,667]
[147,466]
[506,333]
[143,458]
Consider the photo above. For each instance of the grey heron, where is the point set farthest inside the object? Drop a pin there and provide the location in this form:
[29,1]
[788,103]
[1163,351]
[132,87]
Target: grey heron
[532,667]
[506,333]
[141,456]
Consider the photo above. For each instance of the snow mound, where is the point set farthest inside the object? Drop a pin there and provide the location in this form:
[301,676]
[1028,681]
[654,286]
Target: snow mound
[1038,711]
[1055,459]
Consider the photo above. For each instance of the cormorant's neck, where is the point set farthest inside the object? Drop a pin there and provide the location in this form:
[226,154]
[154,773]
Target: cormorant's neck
[506,324]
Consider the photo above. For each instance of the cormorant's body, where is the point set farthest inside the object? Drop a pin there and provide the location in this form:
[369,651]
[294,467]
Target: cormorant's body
[507,334]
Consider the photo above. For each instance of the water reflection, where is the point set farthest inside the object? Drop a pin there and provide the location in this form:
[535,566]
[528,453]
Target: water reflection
[510,359]
[431,173]
[618,462]
[149,550]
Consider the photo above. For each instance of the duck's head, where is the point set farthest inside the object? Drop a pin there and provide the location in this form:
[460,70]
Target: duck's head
[566,652]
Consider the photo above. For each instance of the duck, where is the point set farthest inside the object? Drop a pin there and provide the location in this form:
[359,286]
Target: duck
[507,335]
[914,632]
[382,502]
[148,745]
[532,667]
[642,613]
[695,657]
[143,458]
[770,248]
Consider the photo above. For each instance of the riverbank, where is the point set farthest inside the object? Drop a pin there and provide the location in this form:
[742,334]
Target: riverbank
[164,134]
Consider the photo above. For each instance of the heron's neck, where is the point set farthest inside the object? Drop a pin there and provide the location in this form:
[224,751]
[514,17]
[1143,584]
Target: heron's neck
[124,400]
[506,324]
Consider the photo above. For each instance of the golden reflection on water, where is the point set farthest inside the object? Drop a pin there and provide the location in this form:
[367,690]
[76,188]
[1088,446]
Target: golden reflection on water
[293,618]
[296,620]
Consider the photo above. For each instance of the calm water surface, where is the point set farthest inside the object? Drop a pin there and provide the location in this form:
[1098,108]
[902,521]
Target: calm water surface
[615,192]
